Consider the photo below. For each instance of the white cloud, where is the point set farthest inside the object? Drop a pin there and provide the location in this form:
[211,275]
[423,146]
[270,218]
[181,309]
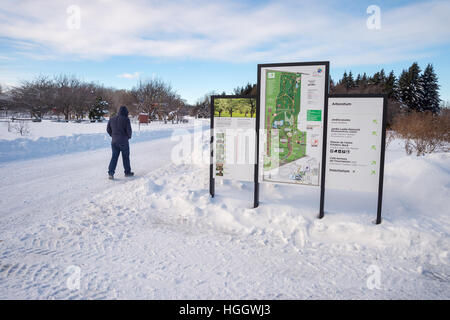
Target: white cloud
[6,58]
[134,75]
[230,31]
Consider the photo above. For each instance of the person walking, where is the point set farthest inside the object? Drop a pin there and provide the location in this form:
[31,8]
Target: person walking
[119,128]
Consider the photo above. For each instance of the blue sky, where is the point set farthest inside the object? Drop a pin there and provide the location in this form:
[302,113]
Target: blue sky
[200,46]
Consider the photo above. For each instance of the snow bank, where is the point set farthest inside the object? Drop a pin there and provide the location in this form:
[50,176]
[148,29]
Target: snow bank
[21,149]
[29,148]
[423,181]
[52,129]
[415,212]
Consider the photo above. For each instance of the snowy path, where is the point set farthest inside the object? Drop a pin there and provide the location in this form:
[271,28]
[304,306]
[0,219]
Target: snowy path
[159,235]
[55,182]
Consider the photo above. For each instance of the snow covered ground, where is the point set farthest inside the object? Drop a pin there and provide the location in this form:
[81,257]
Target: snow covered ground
[52,129]
[160,236]
[49,138]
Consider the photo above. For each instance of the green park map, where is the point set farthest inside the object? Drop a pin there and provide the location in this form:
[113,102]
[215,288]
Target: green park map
[285,142]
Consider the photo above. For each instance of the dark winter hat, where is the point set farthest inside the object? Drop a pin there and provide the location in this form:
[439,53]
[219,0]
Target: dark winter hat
[123,111]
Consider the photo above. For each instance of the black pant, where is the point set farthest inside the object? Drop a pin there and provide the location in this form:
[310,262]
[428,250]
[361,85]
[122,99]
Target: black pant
[116,150]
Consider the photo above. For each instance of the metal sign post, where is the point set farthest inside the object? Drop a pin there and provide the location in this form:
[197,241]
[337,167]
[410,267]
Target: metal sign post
[211,153]
[382,156]
[256,183]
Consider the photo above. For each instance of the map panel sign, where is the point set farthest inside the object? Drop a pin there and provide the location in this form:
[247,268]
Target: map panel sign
[234,138]
[292,100]
[354,143]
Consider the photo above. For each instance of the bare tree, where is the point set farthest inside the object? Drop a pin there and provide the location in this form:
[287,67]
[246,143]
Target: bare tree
[156,98]
[35,96]
[20,127]
[117,98]
[66,89]
[84,96]
[180,110]
[252,103]
[67,95]
[202,108]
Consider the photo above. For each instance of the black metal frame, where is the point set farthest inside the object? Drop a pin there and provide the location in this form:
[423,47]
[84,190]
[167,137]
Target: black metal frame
[258,114]
[212,180]
[383,144]
[212,184]
[326,64]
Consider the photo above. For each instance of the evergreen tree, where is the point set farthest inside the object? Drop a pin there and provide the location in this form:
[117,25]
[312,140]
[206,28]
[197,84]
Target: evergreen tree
[390,86]
[382,76]
[248,89]
[410,88]
[344,78]
[358,80]
[378,77]
[332,85]
[375,79]
[98,110]
[430,97]
[403,88]
[350,83]
[364,80]
[364,77]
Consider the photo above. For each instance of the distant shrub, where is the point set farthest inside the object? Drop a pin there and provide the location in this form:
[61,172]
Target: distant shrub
[424,132]
[20,127]
[390,136]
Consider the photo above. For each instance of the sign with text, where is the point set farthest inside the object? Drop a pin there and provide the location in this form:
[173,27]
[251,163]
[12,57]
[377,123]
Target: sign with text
[234,137]
[291,119]
[355,147]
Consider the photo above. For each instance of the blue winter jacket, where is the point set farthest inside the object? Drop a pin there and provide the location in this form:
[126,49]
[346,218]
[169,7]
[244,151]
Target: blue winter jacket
[119,127]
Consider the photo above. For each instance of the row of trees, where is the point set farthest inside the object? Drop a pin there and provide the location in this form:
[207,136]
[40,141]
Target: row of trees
[202,108]
[62,95]
[69,97]
[413,90]
[246,107]
[415,112]
[72,98]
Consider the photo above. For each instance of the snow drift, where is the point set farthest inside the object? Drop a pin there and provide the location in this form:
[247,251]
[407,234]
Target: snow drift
[23,148]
